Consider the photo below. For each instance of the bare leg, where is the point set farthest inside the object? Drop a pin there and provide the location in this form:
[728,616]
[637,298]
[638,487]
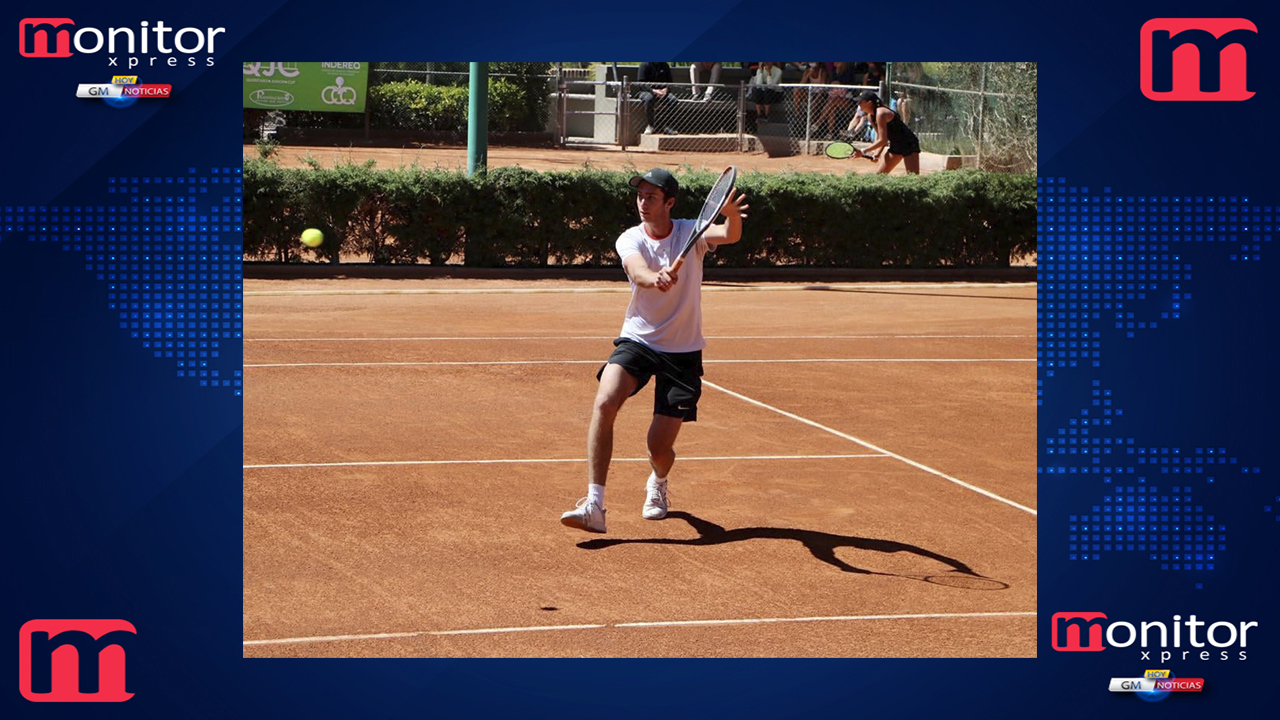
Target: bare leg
[912,163]
[889,161]
[662,439]
[616,385]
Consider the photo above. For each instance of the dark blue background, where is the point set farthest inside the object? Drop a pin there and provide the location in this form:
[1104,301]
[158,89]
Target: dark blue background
[126,480]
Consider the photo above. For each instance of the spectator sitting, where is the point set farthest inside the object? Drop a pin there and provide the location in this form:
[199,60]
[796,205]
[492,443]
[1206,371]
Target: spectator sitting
[764,90]
[875,74]
[811,98]
[655,96]
[713,71]
[838,99]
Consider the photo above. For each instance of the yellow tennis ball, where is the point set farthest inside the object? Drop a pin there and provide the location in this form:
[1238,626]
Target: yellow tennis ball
[312,237]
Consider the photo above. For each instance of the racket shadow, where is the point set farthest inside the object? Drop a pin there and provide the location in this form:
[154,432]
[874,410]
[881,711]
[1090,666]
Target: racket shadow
[821,545]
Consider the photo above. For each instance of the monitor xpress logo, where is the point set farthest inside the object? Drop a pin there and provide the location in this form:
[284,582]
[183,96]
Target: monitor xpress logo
[1085,632]
[74,660]
[143,46]
[1196,58]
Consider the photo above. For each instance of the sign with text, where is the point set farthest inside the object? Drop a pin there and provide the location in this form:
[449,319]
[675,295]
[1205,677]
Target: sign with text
[322,86]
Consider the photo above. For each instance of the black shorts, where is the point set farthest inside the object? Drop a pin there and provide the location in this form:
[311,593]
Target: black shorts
[679,383]
[904,149]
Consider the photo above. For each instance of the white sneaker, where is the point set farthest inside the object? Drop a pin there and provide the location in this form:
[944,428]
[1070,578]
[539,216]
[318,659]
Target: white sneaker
[655,501]
[648,129]
[588,516]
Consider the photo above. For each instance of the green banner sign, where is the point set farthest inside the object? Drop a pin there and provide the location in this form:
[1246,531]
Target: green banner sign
[324,86]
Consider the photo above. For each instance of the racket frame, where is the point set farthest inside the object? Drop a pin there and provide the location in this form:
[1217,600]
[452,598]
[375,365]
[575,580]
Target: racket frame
[732,173]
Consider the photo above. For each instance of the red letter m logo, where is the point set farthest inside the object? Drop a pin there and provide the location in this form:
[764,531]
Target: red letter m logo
[1196,58]
[40,37]
[74,660]
[1077,632]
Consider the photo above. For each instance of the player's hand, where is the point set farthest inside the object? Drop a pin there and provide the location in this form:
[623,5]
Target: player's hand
[735,205]
[666,279]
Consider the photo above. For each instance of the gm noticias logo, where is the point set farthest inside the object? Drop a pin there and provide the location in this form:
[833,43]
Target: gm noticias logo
[1196,58]
[1084,632]
[123,91]
[74,660]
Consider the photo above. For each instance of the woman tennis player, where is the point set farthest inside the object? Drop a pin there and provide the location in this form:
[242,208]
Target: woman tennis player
[661,336]
[904,146]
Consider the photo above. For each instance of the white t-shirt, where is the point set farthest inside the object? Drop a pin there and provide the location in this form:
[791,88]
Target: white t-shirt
[667,321]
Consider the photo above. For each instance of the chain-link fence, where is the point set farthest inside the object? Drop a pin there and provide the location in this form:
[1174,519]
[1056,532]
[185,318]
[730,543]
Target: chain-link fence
[706,117]
[983,111]
[806,117]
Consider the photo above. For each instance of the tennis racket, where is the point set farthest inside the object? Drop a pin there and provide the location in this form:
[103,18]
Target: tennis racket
[844,151]
[710,210]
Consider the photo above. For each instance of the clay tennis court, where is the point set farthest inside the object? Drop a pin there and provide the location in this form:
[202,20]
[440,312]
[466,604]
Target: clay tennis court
[448,157]
[860,482]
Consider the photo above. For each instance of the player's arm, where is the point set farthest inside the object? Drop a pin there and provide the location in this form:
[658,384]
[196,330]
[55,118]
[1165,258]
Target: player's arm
[640,274]
[882,132]
[730,231]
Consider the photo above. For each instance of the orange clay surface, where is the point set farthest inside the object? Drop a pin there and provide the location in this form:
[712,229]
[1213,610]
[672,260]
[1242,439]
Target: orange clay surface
[825,531]
[533,158]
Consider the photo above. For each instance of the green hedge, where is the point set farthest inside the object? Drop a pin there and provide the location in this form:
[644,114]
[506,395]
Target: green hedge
[516,217]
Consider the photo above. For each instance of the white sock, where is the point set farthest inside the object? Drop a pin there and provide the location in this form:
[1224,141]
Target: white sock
[595,494]
[655,480]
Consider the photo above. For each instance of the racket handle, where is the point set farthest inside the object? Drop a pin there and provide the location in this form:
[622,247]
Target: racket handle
[676,267]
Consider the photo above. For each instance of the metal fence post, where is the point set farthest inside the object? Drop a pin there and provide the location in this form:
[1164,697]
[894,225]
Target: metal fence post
[478,120]
[982,105]
[808,119]
[624,111]
[742,116]
[562,111]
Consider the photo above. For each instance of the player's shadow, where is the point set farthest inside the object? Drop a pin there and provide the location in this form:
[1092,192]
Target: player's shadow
[821,545]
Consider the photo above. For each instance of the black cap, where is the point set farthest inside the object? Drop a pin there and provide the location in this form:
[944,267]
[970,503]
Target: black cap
[867,95]
[660,177]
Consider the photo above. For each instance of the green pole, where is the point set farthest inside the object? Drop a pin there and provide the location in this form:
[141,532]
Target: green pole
[478,120]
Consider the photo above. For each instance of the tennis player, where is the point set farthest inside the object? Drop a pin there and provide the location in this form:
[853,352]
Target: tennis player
[661,335]
[904,146]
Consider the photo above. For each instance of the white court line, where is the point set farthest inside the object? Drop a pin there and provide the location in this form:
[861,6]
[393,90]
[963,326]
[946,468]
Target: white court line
[600,362]
[464,338]
[876,448]
[668,623]
[624,289]
[833,618]
[385,636]
[530,461]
